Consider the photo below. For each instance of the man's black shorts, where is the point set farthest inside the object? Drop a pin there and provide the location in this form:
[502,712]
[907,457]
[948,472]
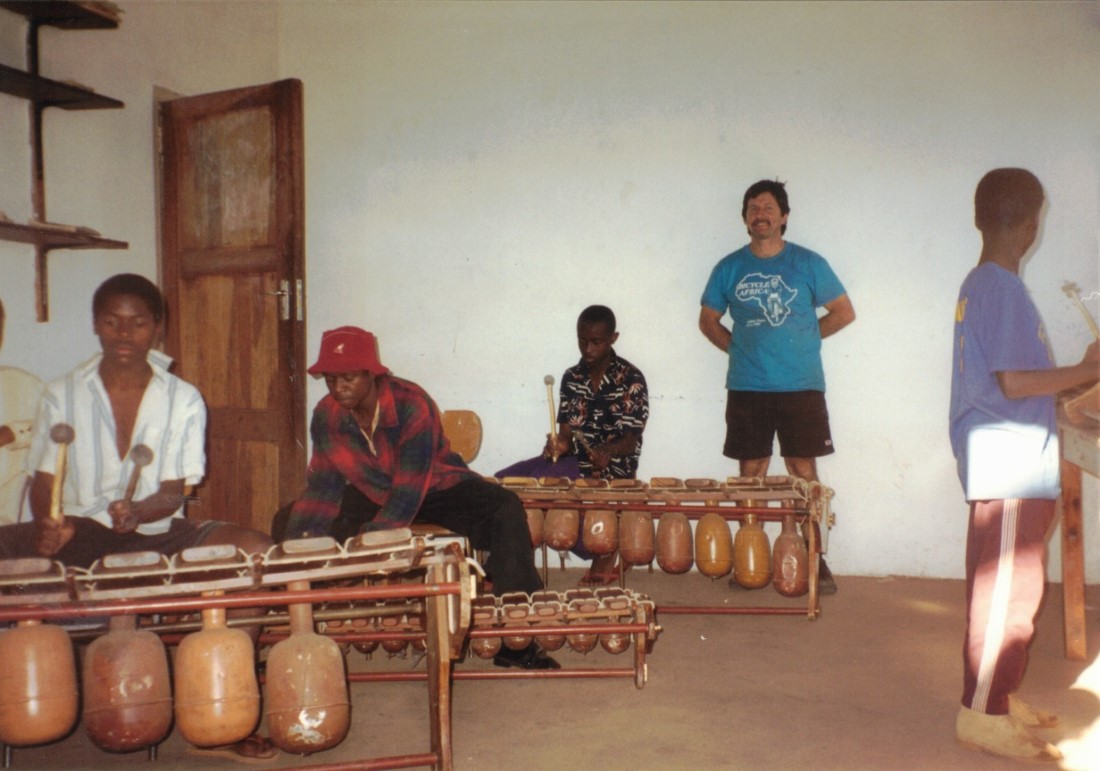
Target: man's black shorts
[799,418]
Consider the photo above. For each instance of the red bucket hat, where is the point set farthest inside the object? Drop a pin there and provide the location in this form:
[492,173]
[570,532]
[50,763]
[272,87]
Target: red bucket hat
[348,349]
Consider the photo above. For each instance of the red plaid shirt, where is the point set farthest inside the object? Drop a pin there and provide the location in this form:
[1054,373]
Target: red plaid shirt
[412,458]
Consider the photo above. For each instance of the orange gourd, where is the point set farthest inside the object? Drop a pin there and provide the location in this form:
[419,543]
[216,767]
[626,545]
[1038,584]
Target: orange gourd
[674,542]
[127,688]
[38,692]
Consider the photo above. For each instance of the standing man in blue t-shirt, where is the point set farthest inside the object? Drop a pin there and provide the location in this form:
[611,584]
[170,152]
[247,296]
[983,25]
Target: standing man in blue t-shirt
[1005,440]
[772,289]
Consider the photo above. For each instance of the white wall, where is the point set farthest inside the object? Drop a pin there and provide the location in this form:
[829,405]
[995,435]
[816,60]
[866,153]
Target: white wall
[479,172]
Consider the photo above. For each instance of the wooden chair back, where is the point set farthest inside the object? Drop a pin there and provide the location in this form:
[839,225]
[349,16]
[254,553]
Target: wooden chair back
[463,429]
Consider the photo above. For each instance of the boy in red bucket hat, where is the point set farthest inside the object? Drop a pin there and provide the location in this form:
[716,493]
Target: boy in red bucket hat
[380,460]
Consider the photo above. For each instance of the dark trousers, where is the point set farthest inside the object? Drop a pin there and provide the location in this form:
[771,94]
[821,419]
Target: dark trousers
[93,541]
[490,516]
[1005,579]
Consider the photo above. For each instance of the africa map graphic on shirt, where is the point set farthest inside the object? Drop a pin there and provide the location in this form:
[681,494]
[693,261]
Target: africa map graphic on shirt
[770,293]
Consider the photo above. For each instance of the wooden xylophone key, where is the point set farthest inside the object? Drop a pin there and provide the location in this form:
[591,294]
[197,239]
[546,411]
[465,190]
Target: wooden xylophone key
[617,603]
[601,531]
[751,552]
[39,694]
[520,485]
[702,484]
[560,530]
[536,526]
[307,702]
[637,543]
[127,688]
[667,490]
[485,612]
[790,559]
[713,545]
[413,623]
[393,625]
[536,516]
[589,483]
[127,685]
[217,693]
[366,647]
[515,612]
[548,611]
[39,698]
[674,543]
[583,605]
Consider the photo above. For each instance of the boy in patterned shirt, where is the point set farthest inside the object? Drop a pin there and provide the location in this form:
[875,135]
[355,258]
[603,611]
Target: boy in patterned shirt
[602,412]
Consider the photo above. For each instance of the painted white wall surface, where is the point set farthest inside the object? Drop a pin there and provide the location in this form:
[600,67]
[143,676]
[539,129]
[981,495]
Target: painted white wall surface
[477,173]
[100,165]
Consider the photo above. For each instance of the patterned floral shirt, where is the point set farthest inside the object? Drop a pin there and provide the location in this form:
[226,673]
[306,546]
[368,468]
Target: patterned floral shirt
[411,458]
[618,407]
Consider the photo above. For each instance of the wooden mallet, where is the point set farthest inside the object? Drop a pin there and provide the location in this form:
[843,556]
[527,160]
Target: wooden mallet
[549,380]
[1073,292]
[141,456]
[1078,408]
[62,435]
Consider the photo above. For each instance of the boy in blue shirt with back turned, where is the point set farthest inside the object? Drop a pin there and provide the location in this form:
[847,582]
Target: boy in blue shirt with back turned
[1005,440]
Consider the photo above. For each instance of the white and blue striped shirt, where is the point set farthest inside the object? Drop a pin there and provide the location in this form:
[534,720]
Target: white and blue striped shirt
[171,421]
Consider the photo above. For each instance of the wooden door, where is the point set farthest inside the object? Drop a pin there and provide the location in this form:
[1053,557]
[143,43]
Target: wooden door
[232,265]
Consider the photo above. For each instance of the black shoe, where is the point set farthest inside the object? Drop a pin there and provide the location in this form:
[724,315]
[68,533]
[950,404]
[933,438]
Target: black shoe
[531,657]
[826,584]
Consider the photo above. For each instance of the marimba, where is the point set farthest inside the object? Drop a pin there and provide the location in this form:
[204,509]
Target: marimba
[210,580]
[612,618]
[388,588]
[556,505]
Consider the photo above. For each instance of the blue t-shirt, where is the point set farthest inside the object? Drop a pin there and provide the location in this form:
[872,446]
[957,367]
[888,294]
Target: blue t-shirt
[776,343]
[1005,448]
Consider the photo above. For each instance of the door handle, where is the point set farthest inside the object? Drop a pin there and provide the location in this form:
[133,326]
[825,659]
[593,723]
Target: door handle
[284,299]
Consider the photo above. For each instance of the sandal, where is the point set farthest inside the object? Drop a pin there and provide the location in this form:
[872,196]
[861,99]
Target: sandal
[252,749]
[603,574]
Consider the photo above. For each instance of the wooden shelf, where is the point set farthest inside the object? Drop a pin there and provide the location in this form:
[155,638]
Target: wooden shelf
[43,93]
[51,93]
[65,15]
[53,238]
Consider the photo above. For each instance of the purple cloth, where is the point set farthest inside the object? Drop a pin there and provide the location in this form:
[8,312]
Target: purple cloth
[568,467]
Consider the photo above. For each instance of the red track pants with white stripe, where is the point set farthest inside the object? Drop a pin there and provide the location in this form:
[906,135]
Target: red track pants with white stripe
[1005,579]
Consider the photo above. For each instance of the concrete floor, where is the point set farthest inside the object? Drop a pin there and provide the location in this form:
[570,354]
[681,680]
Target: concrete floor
[872,684]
